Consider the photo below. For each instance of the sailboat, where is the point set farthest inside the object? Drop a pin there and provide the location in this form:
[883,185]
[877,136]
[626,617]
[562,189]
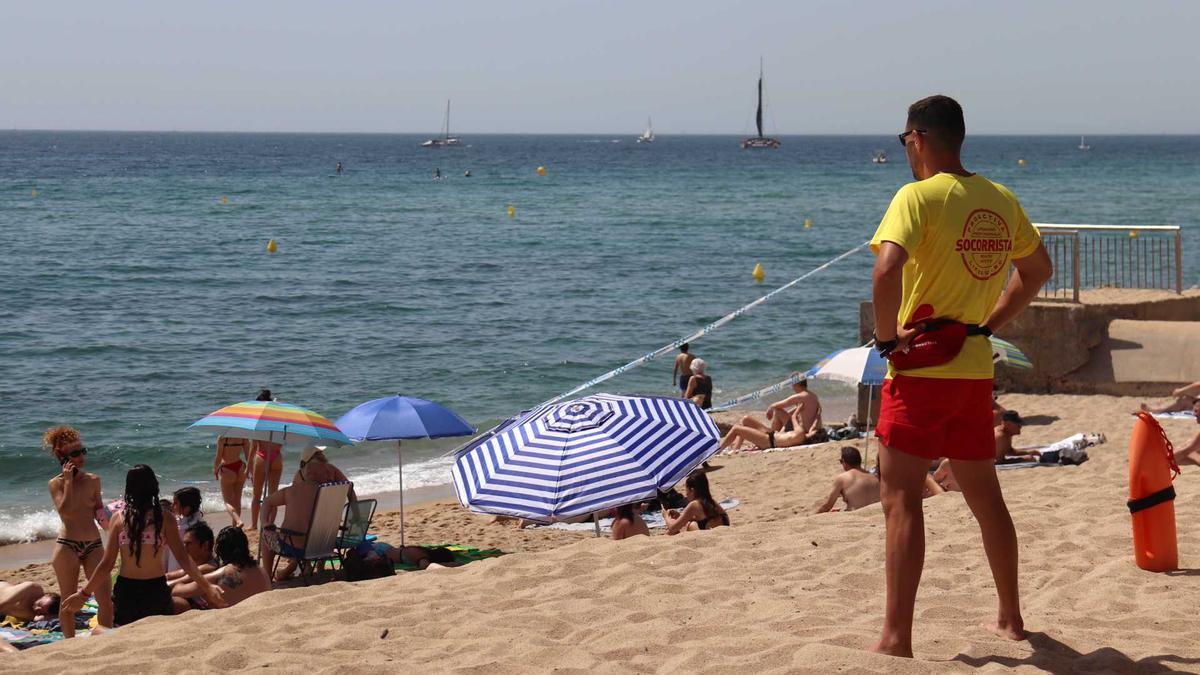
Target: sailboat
[760,141]
[647,135]
[1083,144]
[446,138]
[880,157]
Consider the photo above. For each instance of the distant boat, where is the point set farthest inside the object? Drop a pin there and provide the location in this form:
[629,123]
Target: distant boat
[760,141]
[880,157]
[1083,144]
[647,135]
[446,139]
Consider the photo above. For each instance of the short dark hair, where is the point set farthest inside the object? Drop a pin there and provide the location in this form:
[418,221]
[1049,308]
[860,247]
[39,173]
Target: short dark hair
[1012,416]
[55,603]
[201,531]
[439,554]
[264,395]
[941,115]
[851,456]
[683,347]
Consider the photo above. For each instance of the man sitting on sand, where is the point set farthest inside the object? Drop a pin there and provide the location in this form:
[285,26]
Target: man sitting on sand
[1191,451]
[27,601]
[240,577]
[298,498]
[854,486]
[800,410]
[198,542]
[1185,399]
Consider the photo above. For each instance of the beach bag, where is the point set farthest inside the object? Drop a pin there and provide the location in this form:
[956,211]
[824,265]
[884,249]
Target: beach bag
[937,341]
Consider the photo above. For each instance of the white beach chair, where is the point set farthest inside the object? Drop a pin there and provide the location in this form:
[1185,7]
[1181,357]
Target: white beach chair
[323,529]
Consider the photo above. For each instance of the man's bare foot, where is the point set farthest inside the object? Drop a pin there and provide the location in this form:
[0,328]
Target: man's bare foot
[1014,630]
[892,647]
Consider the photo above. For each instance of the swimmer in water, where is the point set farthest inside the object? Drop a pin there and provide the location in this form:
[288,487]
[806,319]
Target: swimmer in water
[339,167]
[437,174]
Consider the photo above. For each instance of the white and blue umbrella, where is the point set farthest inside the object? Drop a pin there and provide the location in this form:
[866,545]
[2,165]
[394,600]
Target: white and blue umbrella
[584,456]
[858,365]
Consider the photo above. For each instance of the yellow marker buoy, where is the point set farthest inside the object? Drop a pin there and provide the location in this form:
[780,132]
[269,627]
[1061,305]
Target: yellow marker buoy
[224,200]
[541,171]
[33,194]
[271,247]
[1020,162]
[512,211]
[808,223]
[758,273]
[1133,234]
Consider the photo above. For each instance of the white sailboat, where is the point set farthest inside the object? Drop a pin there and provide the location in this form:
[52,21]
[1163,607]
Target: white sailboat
[647,135]
[880,157]
[1083,144]
[760,141]
[446,139]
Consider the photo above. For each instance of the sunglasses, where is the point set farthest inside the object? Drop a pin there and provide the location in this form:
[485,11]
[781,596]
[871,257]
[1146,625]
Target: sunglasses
[905,135]
[82,452]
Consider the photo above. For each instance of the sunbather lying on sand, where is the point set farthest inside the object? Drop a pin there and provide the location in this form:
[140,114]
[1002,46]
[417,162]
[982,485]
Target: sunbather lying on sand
[1191,451]
[1010,425]
[27,601]
[758,434]
[420,557]
[1185,399]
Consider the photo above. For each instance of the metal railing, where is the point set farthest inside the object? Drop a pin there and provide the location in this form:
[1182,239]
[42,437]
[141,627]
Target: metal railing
[1111,256]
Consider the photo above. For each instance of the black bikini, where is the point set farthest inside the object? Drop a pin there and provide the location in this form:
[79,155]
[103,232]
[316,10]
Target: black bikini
[703,524]
[704,388]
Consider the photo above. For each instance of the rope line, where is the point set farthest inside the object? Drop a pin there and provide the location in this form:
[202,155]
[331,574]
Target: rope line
[754,396]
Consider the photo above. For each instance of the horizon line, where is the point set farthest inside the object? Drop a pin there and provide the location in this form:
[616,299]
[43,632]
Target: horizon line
[559,133]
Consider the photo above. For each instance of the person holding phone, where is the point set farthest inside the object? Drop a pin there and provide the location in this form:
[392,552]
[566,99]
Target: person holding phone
[76,497]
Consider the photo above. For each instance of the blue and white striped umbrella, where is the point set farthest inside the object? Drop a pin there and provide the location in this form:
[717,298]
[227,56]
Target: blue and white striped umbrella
[582,456]
[857,365]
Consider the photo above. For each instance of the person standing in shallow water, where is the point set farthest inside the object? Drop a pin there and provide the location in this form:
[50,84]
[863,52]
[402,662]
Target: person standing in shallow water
[700,387]
[76,497]
[683,367]
[943,251]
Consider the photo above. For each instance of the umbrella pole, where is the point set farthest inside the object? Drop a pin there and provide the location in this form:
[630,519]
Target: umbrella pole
[400,464]
[870,398]
[596,522]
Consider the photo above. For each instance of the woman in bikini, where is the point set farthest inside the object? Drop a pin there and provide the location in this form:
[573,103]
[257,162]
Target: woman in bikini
[266,464]
[141,533]
[76,496]
[231,470]
[702,511]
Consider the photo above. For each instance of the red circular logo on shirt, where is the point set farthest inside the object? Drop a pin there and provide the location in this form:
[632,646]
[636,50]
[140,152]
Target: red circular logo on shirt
[985,244]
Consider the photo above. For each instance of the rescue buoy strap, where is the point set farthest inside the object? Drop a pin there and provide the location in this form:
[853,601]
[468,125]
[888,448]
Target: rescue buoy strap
[1164,495]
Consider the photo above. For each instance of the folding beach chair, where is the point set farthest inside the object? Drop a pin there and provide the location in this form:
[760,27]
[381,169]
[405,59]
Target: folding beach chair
[322,535]
[356,523]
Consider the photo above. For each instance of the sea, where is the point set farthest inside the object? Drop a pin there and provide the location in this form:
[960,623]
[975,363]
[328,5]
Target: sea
[138,294]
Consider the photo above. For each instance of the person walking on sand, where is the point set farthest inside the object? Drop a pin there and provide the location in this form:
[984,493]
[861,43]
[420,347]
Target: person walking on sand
[682,371]
[266,468]
[76,497]
[943,252]
[230,467]
[853,485]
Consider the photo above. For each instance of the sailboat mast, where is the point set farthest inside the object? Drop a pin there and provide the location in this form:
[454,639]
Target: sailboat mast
[446,130]
[758,115]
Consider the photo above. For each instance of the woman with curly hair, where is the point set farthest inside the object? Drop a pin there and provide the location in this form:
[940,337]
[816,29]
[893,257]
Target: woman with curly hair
[76,497]
[138,534]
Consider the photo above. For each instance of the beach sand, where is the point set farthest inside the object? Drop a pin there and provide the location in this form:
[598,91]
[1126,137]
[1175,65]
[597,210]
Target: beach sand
[781,591]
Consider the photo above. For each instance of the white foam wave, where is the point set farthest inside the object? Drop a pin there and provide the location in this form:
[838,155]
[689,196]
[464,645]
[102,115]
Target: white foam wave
[418,474]
[28,527]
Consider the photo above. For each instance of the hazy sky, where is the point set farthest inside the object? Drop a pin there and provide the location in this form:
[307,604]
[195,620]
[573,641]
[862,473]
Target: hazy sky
[564,66]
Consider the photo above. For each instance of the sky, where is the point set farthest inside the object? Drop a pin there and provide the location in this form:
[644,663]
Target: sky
[565,66]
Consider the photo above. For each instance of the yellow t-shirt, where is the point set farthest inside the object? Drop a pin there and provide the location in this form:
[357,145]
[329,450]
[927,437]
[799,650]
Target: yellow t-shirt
[960,233]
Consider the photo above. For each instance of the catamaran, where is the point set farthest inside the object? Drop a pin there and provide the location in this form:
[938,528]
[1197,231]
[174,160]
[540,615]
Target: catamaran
[760,141]
[647,135]
[446,138]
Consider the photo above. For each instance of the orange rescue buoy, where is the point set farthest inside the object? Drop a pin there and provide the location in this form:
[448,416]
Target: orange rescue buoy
[1152,467]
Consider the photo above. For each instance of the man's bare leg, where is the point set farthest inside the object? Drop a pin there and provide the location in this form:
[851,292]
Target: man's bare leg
[752,421]
[981,489]
[902,482]
[1181,404]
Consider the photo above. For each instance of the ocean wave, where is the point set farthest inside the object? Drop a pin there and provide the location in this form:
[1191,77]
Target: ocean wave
[27,527]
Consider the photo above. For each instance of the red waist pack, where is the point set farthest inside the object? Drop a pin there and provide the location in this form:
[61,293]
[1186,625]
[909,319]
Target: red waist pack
[937,341]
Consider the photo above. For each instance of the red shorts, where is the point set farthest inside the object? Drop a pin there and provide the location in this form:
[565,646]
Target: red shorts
[933,417]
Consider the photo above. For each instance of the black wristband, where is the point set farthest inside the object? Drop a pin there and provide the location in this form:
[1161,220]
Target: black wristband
[885,347]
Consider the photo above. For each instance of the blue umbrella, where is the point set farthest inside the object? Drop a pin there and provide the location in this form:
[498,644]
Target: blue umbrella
[584,456]
[857,365]
[394,418]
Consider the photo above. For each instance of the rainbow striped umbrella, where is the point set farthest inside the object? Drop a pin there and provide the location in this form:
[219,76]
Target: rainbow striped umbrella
[274,422]
[1007,353]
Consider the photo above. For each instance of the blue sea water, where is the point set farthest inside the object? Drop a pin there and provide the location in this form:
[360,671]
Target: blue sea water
[135,300]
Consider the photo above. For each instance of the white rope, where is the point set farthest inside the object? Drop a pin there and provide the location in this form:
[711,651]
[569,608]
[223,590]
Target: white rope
[637,363]
[765,391]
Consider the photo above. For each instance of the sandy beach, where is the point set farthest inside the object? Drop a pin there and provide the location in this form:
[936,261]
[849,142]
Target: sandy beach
[780,591]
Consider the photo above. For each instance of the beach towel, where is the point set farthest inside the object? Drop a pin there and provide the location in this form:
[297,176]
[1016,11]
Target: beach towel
[462,556]
[1178,415]
[1068,451]
[653,520]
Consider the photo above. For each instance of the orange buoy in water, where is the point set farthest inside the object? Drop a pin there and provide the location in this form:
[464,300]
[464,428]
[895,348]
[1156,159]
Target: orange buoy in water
[1152,468]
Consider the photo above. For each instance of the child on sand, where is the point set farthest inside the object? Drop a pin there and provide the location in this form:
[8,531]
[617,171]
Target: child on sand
[76,496]
[138,533]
